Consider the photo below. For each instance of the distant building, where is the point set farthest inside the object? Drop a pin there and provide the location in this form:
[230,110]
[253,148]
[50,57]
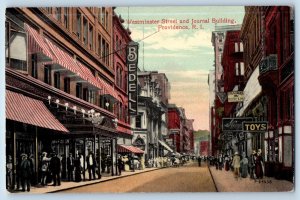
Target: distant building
[218,39]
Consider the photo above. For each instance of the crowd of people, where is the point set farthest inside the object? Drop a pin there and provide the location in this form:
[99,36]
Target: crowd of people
[241,165]
[52,168]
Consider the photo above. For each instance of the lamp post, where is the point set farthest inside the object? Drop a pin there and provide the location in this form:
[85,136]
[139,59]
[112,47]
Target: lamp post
[107,105]
[49,99]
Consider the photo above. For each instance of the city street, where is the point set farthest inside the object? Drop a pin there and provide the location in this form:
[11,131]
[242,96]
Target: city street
[190,178]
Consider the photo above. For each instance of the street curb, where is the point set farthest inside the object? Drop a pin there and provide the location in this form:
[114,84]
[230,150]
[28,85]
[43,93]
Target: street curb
[213,179]
[100,181]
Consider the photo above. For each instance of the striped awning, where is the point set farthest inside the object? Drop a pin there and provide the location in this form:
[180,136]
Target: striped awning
[123,130]
[36,44]
[162,143]
[108,89]
[30,111]
[129,149]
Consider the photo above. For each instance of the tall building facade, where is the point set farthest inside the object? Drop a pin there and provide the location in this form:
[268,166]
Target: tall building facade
[268,37]
[212,95]
[233,75]
[121,38]
[150,125]
[60,85]
[217,39]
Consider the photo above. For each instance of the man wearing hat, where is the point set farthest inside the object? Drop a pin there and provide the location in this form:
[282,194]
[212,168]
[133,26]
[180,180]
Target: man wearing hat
[236,164]
[55,169]
[25,172]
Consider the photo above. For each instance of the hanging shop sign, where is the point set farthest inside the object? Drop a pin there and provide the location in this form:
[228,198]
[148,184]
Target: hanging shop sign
[255,126]
[234,124]
[132,61]
[235,96]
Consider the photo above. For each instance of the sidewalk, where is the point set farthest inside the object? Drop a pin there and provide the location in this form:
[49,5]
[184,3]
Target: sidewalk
[225,182]
[68,185]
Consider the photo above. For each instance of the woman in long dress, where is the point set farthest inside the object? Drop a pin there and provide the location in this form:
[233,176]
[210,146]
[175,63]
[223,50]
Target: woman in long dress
[244,166]
[258,166]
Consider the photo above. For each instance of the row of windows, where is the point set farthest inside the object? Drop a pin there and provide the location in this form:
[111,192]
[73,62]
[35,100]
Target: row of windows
[84,29]
[121,78]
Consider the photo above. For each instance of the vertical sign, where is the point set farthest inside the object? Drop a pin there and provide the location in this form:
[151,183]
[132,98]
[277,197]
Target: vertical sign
[132,60]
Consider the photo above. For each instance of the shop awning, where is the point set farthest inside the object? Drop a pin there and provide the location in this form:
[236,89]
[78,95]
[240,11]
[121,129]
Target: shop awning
[30,111]
[165,145]
[59,58]
[123,130]
[129,149]
[108,90]
[36,44]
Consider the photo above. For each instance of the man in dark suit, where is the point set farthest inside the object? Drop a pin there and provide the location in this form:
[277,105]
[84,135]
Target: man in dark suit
[120,165]
[55,169]
[70,167]
[91,164]
[25,170]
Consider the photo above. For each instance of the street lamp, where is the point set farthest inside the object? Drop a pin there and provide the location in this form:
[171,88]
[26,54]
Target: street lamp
[74,108]
[67,105]
[83,111]
[107,104]
[57,102]
[49,98]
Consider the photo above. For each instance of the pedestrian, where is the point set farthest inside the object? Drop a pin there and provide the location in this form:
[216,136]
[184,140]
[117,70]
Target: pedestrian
[259,165]
[25,173]
[70,167]
[77,169]
[55,166]
[220,162]
[252,164]
[44,168]
[120,165]
[227,166]
[81,160]
[9,169]
[91,163]
[63,167]
[236,164]
[199,161]
[244,166]
[103,164]
[32,165]
[108,163]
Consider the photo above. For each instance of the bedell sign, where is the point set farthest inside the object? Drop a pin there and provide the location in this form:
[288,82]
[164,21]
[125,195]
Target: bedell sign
[132,60]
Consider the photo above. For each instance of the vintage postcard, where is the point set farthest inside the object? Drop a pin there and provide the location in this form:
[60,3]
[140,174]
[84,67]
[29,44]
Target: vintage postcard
[149,99]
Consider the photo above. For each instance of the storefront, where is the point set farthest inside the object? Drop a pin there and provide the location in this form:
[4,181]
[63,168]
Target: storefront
[29,125]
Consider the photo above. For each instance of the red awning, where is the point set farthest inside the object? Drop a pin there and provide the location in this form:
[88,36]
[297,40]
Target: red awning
[129,149]
[36,44]
[30,111]
[108,89]
[123,130]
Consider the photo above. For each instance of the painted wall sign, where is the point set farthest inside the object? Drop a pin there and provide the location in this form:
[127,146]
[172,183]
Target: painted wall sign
[132,61]
[234,124]
[255,126]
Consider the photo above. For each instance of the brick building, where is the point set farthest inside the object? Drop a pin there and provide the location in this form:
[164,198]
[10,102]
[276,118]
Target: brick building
[60,84]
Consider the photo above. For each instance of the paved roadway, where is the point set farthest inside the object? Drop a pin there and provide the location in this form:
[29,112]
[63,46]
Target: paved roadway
[189,178]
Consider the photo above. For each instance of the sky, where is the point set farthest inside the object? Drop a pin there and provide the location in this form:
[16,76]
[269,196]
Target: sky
[184,55]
